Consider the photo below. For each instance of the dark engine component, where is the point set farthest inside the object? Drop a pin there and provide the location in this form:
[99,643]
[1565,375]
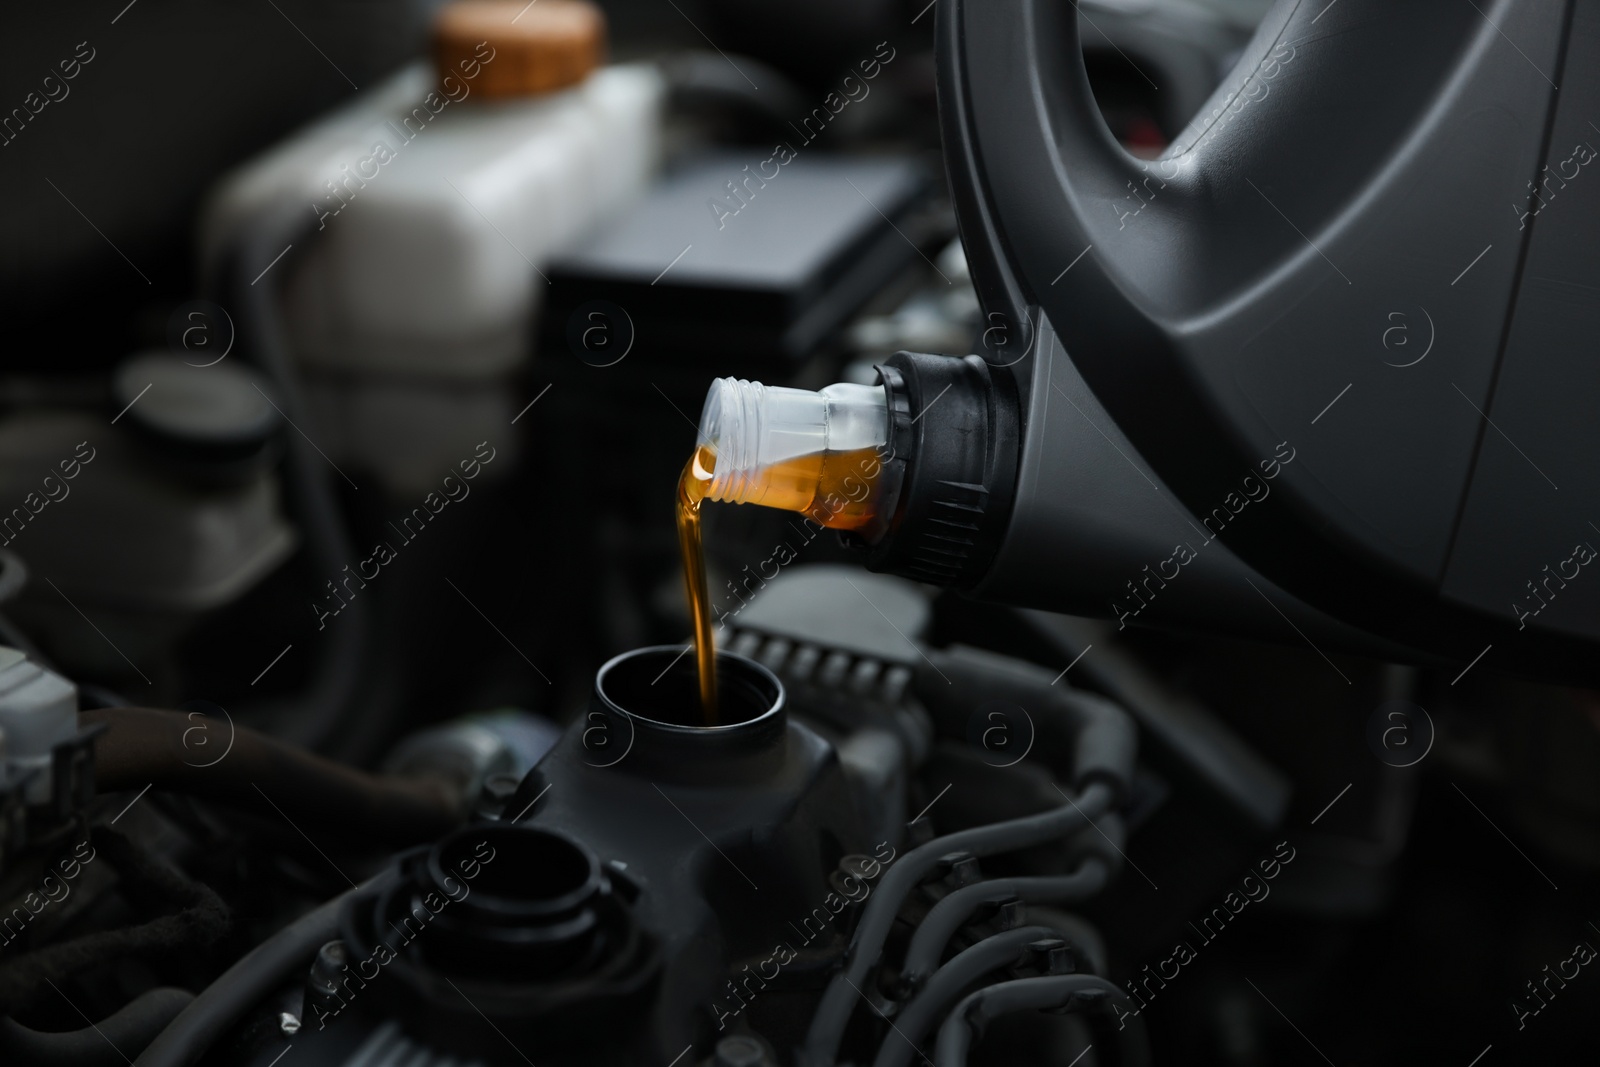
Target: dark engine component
[637,873]
[520,925]
[717,887]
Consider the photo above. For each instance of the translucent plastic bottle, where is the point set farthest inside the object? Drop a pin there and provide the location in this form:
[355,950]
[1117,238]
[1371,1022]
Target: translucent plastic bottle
[817,453]
[437,195]
[434,200]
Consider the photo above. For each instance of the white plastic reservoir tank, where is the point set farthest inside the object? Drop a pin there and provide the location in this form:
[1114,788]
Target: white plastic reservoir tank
[438,197]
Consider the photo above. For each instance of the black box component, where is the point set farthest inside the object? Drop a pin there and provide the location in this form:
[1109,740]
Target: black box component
[777,256]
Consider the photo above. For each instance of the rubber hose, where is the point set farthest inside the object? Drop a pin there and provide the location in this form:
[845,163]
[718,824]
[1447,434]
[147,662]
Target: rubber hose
[314,717]
[107,1043]
[951,913]
[243,985]
[877,918]
[1089,735]
[1036,994]
[917,1017]
[148,745]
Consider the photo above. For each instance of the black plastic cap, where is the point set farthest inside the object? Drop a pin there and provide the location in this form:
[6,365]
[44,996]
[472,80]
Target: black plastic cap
[955,424]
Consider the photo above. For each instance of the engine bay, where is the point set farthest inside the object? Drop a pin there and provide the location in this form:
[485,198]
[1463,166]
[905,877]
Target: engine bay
[350,711]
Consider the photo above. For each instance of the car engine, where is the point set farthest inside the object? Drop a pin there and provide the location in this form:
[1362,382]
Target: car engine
[350,714]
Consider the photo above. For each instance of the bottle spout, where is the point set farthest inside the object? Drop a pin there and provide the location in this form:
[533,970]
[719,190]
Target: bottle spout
[818,452]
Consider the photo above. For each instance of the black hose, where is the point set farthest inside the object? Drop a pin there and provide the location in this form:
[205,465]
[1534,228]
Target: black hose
[1093,739]
[698,81]
[310,719]
[877,918]
[951,913]
[107,1043]
[149,745]
[1038,994]
[244,984]
[919,1014]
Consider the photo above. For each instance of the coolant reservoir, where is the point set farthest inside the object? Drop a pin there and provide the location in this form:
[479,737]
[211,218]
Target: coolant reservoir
[435,196]
[432,202]
[818,453]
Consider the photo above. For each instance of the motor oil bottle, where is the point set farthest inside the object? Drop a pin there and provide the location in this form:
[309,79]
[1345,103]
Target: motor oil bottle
[1322,373]
[821,454]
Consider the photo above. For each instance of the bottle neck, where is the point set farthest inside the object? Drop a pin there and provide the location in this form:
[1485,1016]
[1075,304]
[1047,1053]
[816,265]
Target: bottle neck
[753,436]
